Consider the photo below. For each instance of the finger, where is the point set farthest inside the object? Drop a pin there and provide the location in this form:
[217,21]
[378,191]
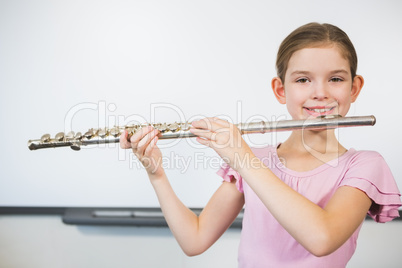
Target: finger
[225,126]
[139,135]
[148,138]
[206,134]
[145,142]
[211,123]
[124,143]
[203,141]
[220,121]
[205,123]
[151,146]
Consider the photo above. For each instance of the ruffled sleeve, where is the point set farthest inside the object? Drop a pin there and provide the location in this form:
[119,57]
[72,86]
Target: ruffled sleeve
[228,174]
[369,172]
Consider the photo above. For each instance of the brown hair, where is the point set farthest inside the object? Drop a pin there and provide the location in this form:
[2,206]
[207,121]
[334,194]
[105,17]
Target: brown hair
[315,35]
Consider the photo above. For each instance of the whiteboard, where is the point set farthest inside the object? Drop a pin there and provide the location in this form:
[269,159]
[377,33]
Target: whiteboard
[83,64]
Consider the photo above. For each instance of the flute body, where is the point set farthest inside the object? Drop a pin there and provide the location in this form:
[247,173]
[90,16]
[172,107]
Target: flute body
[182,130]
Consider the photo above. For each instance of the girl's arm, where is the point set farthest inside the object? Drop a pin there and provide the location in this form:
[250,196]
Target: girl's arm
[320,230]
[195,234]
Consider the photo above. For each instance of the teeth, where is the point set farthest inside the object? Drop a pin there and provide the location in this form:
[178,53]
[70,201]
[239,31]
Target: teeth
[320,110]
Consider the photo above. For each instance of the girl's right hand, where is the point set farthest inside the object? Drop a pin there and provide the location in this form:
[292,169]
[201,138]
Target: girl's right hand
[143,144]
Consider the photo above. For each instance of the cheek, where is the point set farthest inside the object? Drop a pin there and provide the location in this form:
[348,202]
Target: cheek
[295,102]
[343,96]
[296,96]
[344,101]
[343,110]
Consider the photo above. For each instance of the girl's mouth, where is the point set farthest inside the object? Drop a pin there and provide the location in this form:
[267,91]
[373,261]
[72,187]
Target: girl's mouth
[319,110]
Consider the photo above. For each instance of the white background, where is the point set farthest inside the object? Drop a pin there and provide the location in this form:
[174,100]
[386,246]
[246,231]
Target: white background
[83,64]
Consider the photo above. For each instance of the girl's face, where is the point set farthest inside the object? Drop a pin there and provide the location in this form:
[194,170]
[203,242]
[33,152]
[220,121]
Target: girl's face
[317,82]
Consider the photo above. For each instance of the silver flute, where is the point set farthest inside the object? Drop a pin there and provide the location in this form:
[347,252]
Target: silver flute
[182,130]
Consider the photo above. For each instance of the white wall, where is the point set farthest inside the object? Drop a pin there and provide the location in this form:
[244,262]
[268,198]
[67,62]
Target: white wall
[45,242]
[201,57]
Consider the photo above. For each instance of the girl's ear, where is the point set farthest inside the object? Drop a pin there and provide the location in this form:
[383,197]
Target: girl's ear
[357,85]
[279,89]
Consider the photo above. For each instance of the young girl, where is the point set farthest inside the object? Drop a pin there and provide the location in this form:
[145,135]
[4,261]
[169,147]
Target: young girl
[306,198]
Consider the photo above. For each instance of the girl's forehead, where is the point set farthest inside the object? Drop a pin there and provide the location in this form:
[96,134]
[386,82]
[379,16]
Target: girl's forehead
[318,58]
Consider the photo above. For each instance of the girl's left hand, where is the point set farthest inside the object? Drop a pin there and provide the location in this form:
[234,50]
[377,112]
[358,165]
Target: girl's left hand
[225,138]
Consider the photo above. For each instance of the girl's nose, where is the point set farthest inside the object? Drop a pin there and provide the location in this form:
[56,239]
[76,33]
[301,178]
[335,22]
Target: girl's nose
[320,92]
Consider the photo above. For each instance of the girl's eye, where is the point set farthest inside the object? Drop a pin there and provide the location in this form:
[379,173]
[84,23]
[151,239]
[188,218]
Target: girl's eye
[302,80]
[336,79]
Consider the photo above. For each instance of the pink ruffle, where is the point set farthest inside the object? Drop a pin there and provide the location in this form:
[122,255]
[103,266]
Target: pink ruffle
[227,173]
[385,204]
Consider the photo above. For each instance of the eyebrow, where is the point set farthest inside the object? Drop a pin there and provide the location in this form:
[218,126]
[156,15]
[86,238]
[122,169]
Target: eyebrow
[343,71]
[301,72]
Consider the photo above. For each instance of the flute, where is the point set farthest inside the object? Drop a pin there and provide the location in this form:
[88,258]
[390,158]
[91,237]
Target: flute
[182,130]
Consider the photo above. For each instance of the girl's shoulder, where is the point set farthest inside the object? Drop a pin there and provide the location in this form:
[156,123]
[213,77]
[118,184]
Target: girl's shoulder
[369,172]
[364,153]
[358,157]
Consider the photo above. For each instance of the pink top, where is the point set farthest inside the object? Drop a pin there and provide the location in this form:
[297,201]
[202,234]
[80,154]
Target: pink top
[264,243]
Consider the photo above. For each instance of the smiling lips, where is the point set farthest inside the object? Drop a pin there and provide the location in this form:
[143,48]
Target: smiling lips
[319,110]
